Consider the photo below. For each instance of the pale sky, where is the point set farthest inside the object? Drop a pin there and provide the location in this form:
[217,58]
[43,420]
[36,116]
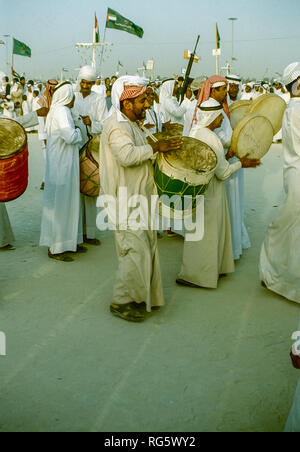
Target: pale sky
[267,35]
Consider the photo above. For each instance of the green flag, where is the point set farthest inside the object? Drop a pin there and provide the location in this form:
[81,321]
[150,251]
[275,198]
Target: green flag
[218,37]
[20,48]
[117,22]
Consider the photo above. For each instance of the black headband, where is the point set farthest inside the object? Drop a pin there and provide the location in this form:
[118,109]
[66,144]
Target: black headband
[60,86]
[233,79]
[217,108]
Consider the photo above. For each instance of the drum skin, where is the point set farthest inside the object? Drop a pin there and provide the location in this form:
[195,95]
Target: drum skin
[13,160]
[89,170]
[254,136]
[238,111]
[272,107]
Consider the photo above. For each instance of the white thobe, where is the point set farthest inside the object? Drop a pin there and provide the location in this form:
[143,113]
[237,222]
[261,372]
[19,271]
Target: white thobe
[100,90]
[152,118]
[188,118]
[30,100]
[279,260]
[8,111]
[95,107]
[205,260]
[172,111]
[286,97]
[6,234]
[26,110]
[235,186]
[61,226]
[126,162]
[247,96]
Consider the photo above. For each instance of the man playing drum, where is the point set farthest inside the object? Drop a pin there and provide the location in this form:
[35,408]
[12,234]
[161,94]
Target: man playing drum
[206,260]
[6,233]
[216,87]
[89,112]
[126,162]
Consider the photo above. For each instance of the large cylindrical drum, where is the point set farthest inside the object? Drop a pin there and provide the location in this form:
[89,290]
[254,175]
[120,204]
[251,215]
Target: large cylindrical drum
[89,168]
[13,160]
[185,173]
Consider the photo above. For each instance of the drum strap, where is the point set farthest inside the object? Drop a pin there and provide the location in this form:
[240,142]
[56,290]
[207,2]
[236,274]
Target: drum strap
[86,144]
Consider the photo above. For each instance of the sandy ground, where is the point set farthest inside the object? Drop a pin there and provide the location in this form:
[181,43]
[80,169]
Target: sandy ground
[212,360]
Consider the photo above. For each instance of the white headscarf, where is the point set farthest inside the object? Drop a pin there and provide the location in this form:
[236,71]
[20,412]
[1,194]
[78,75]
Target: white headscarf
[207,113]
[63,95]
[118,88]
[233,79]
[166,91]
[87,73]
[291,73]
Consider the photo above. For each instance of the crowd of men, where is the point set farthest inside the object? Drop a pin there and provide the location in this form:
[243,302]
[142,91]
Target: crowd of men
[123,112]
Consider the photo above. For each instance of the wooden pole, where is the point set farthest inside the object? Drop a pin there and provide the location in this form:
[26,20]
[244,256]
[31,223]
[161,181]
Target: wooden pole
[217,65]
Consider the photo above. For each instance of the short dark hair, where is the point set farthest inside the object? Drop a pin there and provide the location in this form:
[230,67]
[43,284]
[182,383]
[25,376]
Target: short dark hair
[180,79]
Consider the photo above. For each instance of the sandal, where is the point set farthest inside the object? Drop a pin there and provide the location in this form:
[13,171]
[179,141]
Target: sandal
[127,312]
[63,257]
[7,248]
[94,242]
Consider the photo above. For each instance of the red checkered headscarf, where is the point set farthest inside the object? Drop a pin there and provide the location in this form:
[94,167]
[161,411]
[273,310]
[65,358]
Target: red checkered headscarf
[132,92]
[206,91]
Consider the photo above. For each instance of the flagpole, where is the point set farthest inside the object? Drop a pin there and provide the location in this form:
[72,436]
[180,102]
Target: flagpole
[12,56]
[102,50]
[94,48]
[217,65]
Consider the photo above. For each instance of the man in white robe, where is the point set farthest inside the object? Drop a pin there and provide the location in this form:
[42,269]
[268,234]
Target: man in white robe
[189,116]
[6,234]
[206,260]
[153,121]
[216,87]
[279,260]
[171,110]
[248,93]
[61,229]
[99,88]
[89,113]
[234,88]
[127,163]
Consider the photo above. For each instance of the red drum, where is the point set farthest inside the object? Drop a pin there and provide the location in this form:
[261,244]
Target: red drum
[89,169]
[13,160]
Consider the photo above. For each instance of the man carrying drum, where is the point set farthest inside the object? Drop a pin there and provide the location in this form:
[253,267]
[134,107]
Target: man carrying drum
[204,261]
[127,163]
[216,87]
[89,112]
[6,234]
